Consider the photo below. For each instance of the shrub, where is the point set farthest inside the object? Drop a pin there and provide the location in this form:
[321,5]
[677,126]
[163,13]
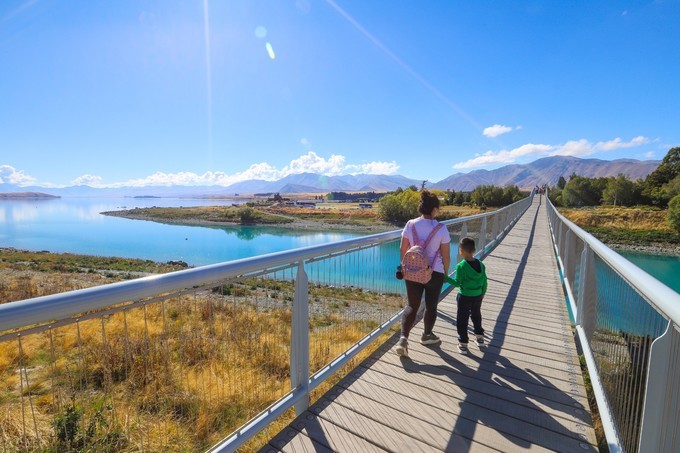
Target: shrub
[399,207]
[674,213]
[247,215]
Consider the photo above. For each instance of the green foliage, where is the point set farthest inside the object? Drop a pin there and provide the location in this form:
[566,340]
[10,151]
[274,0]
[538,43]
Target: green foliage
[667,171]
[674,213]
[672,188]
[627,236]
[247,215]
[450,197]
[620,191]
[490,195]
[97,436]
[399,207]
[561,183]
[581,191]
[344,196]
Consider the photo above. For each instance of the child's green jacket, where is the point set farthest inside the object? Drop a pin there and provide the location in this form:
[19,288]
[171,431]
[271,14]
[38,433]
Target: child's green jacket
[470,282]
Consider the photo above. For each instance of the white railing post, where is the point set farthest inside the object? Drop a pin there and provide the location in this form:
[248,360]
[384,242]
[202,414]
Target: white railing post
[586,302]
[299,339]
[495,227]
[660,422]
[482,236]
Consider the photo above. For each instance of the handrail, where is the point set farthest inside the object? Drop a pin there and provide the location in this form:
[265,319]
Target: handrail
[54,307]
[663,298]
[641,386]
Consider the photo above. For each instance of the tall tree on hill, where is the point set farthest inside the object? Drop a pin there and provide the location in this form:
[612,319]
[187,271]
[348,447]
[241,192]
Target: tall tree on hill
[667,171]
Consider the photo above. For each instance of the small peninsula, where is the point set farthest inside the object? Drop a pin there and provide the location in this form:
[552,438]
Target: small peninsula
[26,196]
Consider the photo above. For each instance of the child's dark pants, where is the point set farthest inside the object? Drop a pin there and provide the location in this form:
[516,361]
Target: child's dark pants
[468,307]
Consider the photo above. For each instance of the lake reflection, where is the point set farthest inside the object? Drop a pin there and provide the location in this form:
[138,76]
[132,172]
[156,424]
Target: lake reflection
[75,225]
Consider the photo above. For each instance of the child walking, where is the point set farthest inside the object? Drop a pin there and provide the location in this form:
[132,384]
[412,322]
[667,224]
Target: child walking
[471,279]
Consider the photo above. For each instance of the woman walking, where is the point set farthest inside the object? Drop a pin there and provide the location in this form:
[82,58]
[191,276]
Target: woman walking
[426,240]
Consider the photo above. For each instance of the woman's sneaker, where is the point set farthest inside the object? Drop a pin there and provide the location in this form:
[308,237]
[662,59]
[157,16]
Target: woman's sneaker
[480,340]
[462,348]
[402,347]
[430,338]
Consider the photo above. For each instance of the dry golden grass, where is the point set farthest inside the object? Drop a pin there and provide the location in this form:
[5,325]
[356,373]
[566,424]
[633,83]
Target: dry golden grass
[619,218]
[174,376]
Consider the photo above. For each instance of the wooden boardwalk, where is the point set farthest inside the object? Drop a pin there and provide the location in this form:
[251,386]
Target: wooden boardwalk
[523,391]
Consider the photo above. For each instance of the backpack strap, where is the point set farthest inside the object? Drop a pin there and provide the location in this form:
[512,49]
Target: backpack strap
[427,242]
[414,233]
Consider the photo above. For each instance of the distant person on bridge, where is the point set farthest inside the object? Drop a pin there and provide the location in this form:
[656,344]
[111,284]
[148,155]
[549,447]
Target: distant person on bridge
[425,260]
[470,277]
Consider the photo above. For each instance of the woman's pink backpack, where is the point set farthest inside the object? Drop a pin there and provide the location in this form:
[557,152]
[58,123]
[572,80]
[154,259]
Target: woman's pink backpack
[415,265]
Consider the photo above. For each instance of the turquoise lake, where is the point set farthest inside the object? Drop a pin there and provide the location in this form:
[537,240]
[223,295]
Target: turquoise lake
[75,225]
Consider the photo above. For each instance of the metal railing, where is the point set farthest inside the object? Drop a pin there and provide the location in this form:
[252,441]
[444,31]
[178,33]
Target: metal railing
[174,361]
[628,325]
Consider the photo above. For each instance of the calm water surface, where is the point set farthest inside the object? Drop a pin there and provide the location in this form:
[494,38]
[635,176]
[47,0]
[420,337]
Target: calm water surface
[75,225]
[666,268]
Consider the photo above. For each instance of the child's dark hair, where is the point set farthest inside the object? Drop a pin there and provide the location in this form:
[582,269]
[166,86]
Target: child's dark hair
[428,202]
[467,244]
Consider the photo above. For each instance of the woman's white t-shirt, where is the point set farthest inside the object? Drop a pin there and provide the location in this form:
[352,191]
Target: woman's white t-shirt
[423,229]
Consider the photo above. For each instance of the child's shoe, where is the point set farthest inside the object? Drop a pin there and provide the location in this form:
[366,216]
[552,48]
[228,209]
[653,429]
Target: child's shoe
[480,340]
[402,347]
[462,348]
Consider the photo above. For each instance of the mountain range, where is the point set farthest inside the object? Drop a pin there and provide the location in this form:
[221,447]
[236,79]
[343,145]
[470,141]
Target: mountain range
[542,171]
[548,171]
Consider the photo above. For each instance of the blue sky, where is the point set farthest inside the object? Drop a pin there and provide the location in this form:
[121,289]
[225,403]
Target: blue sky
[142,92]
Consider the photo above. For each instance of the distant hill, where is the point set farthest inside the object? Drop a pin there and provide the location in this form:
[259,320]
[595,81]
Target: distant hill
[26,196]
[547,171]
[314,183]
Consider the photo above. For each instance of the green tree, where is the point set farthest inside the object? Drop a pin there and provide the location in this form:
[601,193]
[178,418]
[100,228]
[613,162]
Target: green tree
[667,171]
[511,194]
[561,182]
[450,197]
[619,191]
[673,187]
[581,191]
[399,207]
[487,195]
[413,188]
[247,215]
[674,213]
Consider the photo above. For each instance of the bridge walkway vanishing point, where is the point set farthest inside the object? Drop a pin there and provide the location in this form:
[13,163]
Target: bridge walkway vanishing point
[523,391]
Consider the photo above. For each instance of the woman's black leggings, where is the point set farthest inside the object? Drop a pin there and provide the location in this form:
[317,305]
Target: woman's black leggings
[414,292]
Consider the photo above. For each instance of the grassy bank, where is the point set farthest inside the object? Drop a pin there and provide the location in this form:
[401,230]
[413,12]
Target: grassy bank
[205,214]
[340,216]
[174,375]
[631,227]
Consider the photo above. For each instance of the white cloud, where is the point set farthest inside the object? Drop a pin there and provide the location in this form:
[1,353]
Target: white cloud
[374,168]
[10,175]
[649,154]
[87,180]
[306,163]
[496,130]
[571,148]
[505,156]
